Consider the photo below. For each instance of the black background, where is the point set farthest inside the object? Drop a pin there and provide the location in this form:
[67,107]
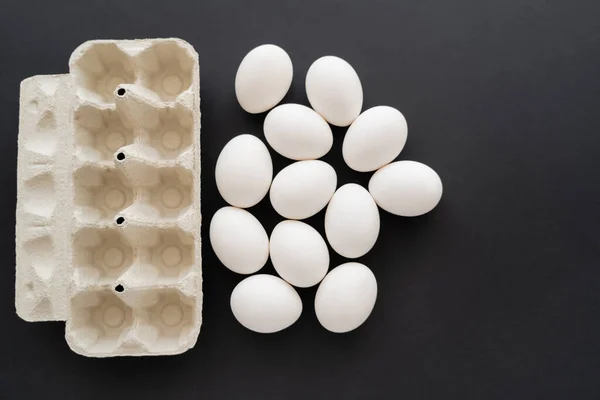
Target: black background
[493,295]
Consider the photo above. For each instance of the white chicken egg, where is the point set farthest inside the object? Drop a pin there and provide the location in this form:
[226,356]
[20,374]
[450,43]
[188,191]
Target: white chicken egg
[352,221]
[406,188]
[297,132]
[244,171]
[374,139]
[239,240]
[303,188]
[299,253]
[346,297]
[265,303]
[263,78]
[334,90]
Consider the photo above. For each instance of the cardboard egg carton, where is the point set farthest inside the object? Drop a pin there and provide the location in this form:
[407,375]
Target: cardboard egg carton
[108,208]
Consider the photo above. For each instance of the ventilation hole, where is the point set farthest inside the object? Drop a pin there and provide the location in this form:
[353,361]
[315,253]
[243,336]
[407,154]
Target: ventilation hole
[120,220]
[120,156]
[121,92]
[119,288]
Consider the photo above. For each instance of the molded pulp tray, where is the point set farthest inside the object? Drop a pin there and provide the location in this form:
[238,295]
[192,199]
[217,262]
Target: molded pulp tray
[108,208]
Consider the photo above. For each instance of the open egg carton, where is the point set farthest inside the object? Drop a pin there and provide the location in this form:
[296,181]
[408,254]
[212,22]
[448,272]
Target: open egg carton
[108,209]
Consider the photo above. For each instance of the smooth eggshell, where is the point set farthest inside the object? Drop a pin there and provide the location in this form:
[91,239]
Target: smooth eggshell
[334,90]
[265,303]
[239,240]
[303,188]
[352,221]
[406,188]
[244,171]
[297,132]
[299,253]
[346,297]
[374,139]
[263,78]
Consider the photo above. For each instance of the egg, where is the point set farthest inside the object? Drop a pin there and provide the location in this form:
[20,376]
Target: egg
[239,240]
[346,297]
[302,189]
[406,188]
[374,139]
[334,90]
[265,303]
[297,132]
[244,171]
[263,78]
[299,253]
[352,221]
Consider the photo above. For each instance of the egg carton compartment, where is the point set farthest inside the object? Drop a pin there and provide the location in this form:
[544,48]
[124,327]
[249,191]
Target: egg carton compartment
[169,322]
[165,67]
[161,195]
[108,216]
[100,323]
[172,194]
[165,256]
[99,67]
[167,128]
[101,256]
[172,134]
[99,133]
[106,256]
[133,322]
[100,193]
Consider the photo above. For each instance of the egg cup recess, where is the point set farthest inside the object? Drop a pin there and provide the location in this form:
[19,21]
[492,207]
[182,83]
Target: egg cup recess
[100,322]
[100,255]
[172,134]
[167,68]
[98,68]
[99,133]
[100,193]
[121,218]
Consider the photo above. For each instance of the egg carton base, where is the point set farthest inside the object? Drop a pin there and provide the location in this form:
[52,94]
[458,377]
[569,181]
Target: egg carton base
[108,199]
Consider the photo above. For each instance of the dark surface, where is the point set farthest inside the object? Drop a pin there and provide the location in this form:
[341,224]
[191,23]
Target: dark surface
[494,295]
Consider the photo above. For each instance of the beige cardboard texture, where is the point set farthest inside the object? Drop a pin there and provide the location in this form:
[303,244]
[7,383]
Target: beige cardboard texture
[108,208]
